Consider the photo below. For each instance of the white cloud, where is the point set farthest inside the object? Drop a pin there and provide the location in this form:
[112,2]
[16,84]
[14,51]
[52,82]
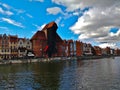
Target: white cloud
[72,5]
[6,6]
[58,20]
[111,37]
[30,16]
[62,25]
[39,27]
[5,28]
[54,10]
[10,21]
[111,45]
[97,22]
[5,12]
[37,0]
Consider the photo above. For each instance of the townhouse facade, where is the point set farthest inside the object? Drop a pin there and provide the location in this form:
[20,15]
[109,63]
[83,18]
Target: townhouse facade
[10,47]
[13,49]
[97,51]
[87,49]
[4,47]
[24,47]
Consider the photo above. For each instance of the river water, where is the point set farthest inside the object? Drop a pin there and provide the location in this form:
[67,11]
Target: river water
[98,74]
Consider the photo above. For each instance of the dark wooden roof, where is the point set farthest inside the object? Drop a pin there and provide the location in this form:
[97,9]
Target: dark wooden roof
[39,35]
[58,38]
[49,25]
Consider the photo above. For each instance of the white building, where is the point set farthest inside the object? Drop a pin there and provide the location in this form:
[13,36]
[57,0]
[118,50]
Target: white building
[87,49]
[24,47]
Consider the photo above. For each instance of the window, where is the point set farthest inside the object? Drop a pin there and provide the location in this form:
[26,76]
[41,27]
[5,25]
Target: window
[28,43]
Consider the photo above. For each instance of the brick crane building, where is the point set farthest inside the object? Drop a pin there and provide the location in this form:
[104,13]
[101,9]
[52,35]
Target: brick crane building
[47,41]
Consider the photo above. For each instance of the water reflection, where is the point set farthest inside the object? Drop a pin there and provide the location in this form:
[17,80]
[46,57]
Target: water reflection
[101,74]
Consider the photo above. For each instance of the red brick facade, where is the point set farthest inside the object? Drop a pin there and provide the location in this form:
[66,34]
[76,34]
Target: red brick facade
[40,41]
[79,48]
[97,50]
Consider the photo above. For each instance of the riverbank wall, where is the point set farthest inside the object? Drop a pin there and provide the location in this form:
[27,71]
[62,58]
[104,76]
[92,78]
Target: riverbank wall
[34,60]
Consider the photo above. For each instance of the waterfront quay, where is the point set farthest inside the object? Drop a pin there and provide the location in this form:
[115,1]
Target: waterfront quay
[36,60]
[74,74]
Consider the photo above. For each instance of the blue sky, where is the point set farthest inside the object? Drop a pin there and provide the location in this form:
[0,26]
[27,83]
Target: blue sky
[30,15]
[89,21]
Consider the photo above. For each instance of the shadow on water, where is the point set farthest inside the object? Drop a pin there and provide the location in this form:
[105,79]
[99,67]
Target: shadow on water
[36,76]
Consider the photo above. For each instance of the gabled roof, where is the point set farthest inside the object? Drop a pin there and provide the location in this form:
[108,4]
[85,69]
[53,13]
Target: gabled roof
[58,38]
[13,38]
[39,35]
[49,25]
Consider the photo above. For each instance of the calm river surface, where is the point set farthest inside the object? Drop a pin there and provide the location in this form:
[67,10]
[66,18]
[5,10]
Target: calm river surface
[99,74]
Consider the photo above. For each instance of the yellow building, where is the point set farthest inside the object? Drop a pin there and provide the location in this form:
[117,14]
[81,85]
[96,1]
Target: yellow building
[13,42]
[8,47]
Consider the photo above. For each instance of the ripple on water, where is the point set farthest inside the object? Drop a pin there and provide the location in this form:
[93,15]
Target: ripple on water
[101,74]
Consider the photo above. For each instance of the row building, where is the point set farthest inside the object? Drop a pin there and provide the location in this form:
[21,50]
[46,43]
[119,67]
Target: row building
[47,43]
[12,47]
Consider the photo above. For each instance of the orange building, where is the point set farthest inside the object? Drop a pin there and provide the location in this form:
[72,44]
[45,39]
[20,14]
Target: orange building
[73,48]
[97,50]
[13,42]
[79,48]
[117,52]
[8,46]
[70,48]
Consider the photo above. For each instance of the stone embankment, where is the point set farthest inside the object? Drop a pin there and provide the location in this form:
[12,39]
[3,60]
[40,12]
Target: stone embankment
[33,60]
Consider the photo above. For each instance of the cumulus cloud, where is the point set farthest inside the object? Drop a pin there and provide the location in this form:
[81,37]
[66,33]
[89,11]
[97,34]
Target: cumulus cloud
[10,21]
[54,10]
[72,5]
[96,22]
[111,45]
